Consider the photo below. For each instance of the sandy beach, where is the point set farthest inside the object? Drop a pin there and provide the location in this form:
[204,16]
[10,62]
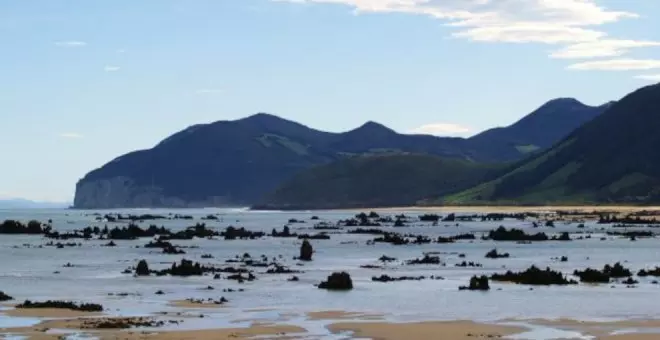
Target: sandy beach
[353,324]
[40,332]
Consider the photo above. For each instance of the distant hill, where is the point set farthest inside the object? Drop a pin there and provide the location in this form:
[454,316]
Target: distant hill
[238,162]
[537,131]
[27,204]
[609,160]
[375,181]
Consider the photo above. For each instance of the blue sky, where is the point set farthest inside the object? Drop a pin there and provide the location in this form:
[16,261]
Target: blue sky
[82,82]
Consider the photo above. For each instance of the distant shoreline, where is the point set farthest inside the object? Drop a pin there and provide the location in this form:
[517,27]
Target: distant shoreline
[478,208]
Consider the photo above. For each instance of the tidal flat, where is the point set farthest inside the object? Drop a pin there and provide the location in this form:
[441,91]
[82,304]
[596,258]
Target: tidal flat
[242,273]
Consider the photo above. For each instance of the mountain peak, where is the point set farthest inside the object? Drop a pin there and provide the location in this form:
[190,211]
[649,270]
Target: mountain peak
[565,101]
[371,127]
[261,117]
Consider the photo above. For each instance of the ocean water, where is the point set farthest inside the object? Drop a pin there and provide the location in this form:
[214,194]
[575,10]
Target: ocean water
[28,273]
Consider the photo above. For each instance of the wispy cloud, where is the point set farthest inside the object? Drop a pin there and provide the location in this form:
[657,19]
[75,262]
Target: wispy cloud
[601,48]
[70,43]
[574,25]
[111,68]
[71,135]
[617,65]
[441,129]
[121,50]
[209,91]
[651,77]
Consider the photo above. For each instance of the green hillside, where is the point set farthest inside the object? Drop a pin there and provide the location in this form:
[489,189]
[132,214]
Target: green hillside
[376,181]
[611,159]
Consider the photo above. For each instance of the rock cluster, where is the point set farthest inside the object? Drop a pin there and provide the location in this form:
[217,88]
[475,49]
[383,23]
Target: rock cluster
[534,276]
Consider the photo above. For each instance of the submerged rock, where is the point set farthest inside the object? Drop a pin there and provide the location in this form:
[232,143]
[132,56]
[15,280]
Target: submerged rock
[493,254]
[387,278]
[337,281]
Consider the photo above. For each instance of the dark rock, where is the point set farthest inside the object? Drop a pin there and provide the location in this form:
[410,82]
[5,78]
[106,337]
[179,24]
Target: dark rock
[630,281]
[604,276]
[651,272]
[279,269]
[84,307]
[320,236]
[429,218]
[121,323]
[386,259]
[293,279]
[5,297]
[425,260]
[477,283]
[142,268]
[493,254]
[32,228]
[286,232]
[337,281]
[468,264]
[386,278]
[232,233]
[306,251]
[502,234]
[534,276]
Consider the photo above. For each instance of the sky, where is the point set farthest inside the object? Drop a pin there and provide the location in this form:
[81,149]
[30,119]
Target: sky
[82,82]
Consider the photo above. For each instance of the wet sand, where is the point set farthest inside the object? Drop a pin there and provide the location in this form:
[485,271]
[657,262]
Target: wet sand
[342,315]
[194,304]
[356,325]
[77,326]
[643,329]
[455,330]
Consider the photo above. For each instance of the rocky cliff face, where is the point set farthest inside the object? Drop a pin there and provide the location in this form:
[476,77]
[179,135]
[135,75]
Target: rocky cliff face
[123,192]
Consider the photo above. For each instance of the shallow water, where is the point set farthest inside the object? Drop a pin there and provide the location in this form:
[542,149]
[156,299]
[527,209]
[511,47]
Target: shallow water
[28,273]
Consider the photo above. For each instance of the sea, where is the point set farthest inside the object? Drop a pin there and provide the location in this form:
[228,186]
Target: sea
[95,271]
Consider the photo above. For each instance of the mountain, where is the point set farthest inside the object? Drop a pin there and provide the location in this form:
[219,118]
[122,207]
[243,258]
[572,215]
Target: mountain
[238,162]
[375,181]
[609,160]
[18,203]
[537,131]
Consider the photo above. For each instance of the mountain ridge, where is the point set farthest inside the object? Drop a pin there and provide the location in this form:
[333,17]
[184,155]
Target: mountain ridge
[237,162]
[608,160]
